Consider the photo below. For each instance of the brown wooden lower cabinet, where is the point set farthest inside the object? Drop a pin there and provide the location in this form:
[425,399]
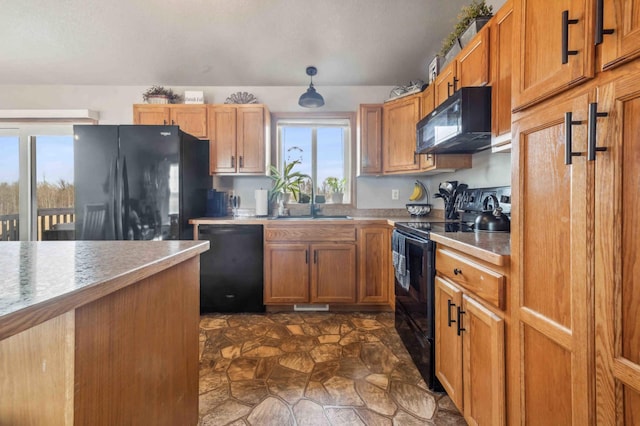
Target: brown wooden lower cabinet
[328,264]
[374,264]
[310,273]
[470,339]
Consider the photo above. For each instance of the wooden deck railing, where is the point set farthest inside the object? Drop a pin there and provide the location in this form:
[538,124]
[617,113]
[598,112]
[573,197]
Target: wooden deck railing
[9,223]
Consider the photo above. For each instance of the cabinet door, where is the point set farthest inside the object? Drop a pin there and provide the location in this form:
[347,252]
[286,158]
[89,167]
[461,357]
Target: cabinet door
[472,63]
[483,365]
[191,119]
[374,255]
[538,69]
[501,54]
[445,84]
[400,118]
[623,17]
[251,139]
[617,250]
[370,148]
[552,299]
[448,342]
[286,273]
[222,134]
[147,114]
[333,273]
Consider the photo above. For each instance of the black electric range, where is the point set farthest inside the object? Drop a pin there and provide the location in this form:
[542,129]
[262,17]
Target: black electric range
[415,294]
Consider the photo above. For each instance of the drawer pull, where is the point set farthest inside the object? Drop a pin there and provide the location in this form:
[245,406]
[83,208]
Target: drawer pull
[457,271]
[449,319]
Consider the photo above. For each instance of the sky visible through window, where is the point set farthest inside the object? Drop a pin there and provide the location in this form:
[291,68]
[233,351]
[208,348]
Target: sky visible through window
[54,159]
[330,151]
[9,147]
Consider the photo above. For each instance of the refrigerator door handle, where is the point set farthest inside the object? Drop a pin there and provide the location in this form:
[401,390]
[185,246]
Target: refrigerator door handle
[118,202]
[125,200]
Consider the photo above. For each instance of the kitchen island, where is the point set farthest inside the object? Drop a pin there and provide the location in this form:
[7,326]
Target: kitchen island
[99,332]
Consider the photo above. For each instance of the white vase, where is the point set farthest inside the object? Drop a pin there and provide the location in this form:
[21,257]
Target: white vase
[336,197]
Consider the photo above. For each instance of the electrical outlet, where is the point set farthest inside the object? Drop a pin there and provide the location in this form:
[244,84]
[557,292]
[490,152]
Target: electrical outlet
[395,194]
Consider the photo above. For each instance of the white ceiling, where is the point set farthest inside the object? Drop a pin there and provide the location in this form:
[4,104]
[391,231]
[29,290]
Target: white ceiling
[221,42]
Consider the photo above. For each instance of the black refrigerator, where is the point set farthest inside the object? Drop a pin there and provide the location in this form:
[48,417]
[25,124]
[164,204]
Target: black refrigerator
[136,182]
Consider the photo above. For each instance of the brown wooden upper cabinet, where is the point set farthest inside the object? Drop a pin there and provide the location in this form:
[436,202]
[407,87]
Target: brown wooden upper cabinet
[554,49]
[370,139]
[619,32]
[501,64]
[387,140]
[239,137]
[192,119]
[399,135]
[469,68]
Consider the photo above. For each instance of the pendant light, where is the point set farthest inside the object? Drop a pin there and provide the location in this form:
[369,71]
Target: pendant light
[311,98]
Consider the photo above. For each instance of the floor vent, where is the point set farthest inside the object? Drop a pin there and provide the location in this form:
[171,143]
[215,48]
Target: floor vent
[310,308]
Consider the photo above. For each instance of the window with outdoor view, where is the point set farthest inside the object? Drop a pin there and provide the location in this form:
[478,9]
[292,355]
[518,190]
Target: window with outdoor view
[320,149]
[36,182]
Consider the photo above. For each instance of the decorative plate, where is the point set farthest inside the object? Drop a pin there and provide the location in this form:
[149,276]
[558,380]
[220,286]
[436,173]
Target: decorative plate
[241,98]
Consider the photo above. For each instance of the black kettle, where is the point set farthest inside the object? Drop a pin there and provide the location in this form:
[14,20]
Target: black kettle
[492,220]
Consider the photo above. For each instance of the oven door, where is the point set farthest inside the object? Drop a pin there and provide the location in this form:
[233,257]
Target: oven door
[418,301]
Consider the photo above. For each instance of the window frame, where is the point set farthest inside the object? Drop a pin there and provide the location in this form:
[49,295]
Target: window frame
[349,117]
[27,133]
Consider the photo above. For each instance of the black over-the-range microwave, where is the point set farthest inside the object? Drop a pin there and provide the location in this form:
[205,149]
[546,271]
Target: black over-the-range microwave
[462,124]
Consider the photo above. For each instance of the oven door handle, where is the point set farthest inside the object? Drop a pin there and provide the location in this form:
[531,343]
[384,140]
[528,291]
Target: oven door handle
[412,239]
[450,305]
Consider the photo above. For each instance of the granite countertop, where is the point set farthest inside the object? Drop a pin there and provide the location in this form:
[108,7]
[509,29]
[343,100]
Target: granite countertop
[42,280]
[228,220]
[493,247]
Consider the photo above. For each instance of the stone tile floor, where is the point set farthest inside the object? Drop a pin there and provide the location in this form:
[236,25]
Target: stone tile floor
[312,369]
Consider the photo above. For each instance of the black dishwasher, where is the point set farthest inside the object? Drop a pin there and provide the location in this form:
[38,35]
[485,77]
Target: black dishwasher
[231,278]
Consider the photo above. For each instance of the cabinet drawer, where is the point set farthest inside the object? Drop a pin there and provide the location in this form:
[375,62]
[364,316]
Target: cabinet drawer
[485,283]
[333,233]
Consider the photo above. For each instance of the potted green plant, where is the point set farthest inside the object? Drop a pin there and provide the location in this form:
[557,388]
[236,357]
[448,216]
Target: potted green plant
[336,186]
[470,20]
[160,95]
[287,182]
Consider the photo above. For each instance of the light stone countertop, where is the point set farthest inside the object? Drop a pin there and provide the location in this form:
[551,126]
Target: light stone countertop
[492,247]
[41,280]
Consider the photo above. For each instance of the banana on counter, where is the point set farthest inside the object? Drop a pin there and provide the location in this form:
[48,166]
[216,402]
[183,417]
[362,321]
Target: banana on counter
[419,191]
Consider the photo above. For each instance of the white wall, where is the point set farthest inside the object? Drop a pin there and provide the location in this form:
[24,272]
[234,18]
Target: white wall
[114,103]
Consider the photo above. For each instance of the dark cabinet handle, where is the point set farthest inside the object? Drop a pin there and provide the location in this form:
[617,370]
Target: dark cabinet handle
[600,30]
[315,256]
[241,162]
[460,327]
[233,161]
[593,127]
[457,271]
[450,305]
[565,36]
[173,123]
[455,84]
[568,136]
[164,122]
[306,257]
[449,87]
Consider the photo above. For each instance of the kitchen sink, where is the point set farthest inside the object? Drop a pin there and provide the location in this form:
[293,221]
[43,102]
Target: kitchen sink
[321,217]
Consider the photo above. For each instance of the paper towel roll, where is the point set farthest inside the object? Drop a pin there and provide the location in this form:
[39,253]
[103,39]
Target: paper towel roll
[262,202]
